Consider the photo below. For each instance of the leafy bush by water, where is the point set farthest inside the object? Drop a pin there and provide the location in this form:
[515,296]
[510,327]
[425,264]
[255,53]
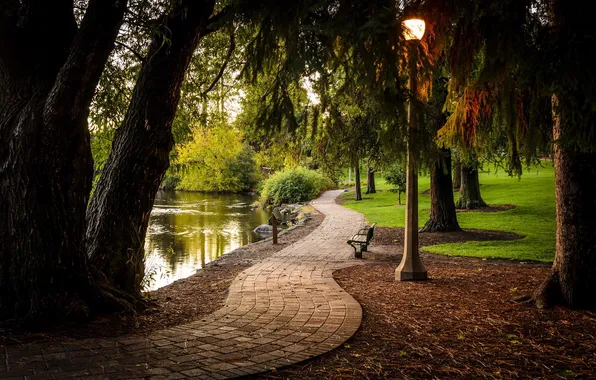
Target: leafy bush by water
[216,159]
[295,185]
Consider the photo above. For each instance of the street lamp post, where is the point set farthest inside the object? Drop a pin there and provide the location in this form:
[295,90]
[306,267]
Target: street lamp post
[411,267]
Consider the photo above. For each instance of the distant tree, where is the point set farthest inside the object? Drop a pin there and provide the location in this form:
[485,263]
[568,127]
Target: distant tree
[469,191]
[358,194]
[395,175]
[456,172]
[370,181]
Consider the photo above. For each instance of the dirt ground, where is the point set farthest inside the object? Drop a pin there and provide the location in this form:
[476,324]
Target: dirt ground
[462,323]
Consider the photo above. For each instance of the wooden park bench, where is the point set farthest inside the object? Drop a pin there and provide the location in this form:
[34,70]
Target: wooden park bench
[362,239]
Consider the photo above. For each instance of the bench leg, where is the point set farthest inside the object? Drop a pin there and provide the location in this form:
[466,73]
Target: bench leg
[358,249]
[365,248]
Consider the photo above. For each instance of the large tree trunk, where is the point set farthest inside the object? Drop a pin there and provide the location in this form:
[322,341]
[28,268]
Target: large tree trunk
[469,192]
[572,280]
[370,182]
[443,217]
[119,211]
[357,182]
[45,155]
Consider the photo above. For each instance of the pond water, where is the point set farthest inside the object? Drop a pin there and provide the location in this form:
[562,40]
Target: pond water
[187,230]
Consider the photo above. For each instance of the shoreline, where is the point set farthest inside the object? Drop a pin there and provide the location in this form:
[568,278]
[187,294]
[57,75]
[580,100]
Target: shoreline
[182,301]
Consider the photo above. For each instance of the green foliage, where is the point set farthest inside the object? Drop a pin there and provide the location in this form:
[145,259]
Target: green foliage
[101,146]
[294,185]
[171,180]
[216,160]
[533,217]
[396,177]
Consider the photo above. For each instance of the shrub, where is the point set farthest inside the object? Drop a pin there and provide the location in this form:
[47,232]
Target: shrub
[216,160]
[295,185]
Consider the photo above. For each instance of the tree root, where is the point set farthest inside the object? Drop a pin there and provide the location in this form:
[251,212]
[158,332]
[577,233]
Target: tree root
[548,293]
[111,299]
[463,204]
[432,225]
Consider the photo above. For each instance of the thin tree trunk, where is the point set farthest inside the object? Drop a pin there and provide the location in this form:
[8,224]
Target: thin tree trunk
[370,182]
[119,211]
[469,192]
[572,281]
[457,174]
[45,157]
[357,182]
[443,217]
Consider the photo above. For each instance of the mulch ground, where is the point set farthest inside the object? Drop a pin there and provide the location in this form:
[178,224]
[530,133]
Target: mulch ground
[462,323]
[181,302]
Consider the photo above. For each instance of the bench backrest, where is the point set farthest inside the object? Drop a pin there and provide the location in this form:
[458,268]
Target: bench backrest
[371,232]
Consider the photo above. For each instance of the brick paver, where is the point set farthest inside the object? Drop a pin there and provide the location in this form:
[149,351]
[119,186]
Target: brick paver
[284,310]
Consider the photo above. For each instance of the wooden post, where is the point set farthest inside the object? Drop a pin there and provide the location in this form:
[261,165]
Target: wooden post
[274,225]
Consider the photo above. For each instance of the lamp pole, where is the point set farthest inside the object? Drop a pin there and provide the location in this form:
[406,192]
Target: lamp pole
[411,267]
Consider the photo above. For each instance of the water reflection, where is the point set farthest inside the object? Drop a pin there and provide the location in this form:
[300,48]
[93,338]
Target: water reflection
[188,230]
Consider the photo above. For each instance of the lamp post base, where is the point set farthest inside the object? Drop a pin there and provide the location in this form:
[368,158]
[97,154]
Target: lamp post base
[410,276]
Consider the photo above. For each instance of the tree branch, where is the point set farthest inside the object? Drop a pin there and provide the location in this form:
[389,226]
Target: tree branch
[133,51]
[78,78]
[224,65]
[215,22]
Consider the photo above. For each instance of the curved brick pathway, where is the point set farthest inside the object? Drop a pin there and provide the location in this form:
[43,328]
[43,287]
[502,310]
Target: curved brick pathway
[281,311]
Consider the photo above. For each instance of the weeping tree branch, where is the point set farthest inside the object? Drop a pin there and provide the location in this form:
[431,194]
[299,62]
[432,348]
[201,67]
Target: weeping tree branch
[133,51]
[224,65]
[213,24]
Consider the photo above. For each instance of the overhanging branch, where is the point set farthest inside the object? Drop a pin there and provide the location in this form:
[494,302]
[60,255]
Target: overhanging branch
[133,51]
[214,22]
[224,65]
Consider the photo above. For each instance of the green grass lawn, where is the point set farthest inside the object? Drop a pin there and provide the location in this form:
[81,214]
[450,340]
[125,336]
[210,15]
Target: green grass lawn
[534,216]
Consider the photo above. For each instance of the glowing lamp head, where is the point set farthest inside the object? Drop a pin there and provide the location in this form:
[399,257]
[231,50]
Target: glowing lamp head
[414,29]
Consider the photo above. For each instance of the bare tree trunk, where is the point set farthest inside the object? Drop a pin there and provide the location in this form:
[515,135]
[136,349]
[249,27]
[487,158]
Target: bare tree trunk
[469,192]
[357,181]
[119,211]
[457,174]
[443,217]
[45,155]
[370,182]
[572,281]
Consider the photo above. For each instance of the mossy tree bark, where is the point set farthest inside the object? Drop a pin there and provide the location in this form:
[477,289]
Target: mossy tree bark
[46,165]
[443,216]
[370,182]
[469,191]
[119,211]
[357,182]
